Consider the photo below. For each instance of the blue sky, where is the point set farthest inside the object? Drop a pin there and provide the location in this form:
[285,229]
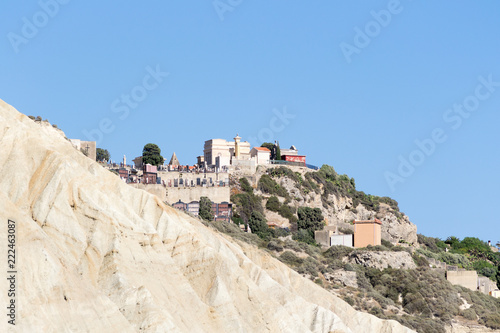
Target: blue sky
[351,84]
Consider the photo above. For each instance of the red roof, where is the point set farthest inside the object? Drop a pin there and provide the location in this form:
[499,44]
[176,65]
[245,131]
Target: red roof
[262,148]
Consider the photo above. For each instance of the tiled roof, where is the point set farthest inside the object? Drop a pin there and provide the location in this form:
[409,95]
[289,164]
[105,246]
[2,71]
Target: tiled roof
[262,148]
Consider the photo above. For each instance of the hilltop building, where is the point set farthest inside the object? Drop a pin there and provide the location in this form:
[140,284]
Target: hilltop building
[261,155]
[289,152]
[219,152]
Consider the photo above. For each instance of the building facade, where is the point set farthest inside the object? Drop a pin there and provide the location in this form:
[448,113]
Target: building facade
[222,211]
[367,233]
[260,155]
[219,152]
[150,174]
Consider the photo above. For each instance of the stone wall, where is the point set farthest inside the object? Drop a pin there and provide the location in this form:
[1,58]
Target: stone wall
[467,279]
[186,194]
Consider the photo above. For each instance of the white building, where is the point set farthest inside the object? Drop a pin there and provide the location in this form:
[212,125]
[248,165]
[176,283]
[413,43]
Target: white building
[219,152]
[260,155]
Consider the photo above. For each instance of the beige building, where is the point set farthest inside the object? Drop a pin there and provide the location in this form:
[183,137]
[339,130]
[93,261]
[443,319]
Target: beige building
[89,147]
[467,279]
[260,155]
[323,237]
[219,152]
[290,152]
[367,233]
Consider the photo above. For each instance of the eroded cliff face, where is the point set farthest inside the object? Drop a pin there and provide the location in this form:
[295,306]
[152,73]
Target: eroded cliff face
[96,255]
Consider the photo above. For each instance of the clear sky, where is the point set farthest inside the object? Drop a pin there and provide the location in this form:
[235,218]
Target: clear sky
[404,96]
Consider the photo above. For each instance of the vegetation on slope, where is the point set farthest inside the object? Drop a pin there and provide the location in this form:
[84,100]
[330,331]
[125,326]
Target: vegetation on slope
[420,298]
[470,253]
[326,181]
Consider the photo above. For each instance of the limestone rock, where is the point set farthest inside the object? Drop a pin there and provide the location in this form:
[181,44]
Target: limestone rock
[382,259]
[344,278]
[96,255]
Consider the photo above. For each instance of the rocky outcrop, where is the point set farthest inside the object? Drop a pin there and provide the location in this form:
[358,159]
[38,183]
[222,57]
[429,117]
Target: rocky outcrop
[96,255]
[340,210]
[382,260]
[343,278]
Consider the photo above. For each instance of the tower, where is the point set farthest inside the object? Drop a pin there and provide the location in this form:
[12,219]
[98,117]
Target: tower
[237,140]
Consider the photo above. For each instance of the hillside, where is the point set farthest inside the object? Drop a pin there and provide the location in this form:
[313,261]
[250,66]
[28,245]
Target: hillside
[335,195]
[95,254]
[391,281]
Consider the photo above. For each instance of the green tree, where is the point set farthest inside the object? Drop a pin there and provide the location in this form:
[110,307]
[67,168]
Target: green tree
[258,224]
[268,145]
[206,211]
[328,172]
[102,155]
[151,154]
[310,219]
[453,241]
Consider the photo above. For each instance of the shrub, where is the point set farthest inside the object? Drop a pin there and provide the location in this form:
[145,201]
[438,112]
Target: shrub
[349,300]
[420,261]
[258,224]
[280,232]
[469,314]
[492,320]
[304,236]
[288,212]
[292,245]
[284,172]
[245,185]
[387,244]
[309,266]
[290,258]
[273,204]
[274,246]
[338,251]
[269,186]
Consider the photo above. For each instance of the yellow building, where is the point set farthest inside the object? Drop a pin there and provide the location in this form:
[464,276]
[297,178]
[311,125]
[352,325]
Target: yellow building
[367,233]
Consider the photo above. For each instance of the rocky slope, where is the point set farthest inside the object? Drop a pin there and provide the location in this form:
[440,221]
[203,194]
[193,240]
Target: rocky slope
[339,210]
[97,255]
